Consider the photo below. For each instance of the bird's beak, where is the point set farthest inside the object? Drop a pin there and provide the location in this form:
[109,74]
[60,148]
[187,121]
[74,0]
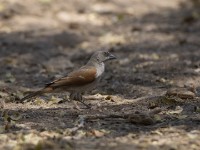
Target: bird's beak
[111,56]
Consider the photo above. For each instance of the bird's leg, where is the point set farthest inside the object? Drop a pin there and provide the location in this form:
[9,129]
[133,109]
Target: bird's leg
[81,100]
[78,97]
[73,97]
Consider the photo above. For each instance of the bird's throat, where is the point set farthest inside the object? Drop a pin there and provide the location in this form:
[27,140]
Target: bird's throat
[100,69]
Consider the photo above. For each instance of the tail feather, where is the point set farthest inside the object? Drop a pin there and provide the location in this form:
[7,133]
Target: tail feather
[37,93]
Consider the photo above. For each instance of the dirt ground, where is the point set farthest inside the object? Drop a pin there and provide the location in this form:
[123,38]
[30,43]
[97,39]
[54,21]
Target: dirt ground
[157,44]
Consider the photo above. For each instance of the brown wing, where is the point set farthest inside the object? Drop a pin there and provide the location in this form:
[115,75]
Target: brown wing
[84,75]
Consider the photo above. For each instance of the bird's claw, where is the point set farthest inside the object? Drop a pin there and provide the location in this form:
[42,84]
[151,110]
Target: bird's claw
[88,106]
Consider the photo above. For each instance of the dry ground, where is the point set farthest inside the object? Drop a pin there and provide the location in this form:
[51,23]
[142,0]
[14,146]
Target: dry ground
[158,47]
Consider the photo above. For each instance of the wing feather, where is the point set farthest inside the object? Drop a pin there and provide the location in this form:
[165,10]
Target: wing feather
[83,76]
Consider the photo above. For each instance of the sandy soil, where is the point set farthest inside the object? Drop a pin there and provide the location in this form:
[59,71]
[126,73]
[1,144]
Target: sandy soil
[158,48]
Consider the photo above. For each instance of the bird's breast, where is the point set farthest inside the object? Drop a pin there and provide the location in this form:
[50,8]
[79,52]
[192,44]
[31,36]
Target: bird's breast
[100,70]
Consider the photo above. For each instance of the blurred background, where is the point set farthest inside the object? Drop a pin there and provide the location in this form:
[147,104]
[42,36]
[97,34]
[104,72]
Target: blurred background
[157,43]
[40,39]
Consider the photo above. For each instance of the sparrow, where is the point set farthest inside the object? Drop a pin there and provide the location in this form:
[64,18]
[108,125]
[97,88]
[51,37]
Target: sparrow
[78,81]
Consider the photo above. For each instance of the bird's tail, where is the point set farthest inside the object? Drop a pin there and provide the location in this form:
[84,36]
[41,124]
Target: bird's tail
[37,93]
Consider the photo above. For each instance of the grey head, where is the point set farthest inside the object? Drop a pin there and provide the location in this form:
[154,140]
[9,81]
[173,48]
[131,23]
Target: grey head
[101,57]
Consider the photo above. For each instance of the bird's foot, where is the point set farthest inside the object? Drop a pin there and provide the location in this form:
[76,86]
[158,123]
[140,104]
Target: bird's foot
[78,97]
[88,106]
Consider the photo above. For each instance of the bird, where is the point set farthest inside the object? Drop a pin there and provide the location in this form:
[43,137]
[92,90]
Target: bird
[78,81]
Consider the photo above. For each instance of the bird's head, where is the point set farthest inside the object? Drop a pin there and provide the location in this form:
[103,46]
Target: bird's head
[102,56]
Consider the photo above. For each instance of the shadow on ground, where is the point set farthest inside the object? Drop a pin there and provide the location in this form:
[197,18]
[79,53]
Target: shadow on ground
[161,50]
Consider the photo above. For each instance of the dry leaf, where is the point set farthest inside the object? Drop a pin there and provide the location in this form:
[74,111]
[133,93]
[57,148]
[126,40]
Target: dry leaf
[97,133]
[157,118]
[181,116]
[38,101]
[178,110]
[16,116]
[141,118]
[54,100]
[182,93]
[10,78]
[169,100]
